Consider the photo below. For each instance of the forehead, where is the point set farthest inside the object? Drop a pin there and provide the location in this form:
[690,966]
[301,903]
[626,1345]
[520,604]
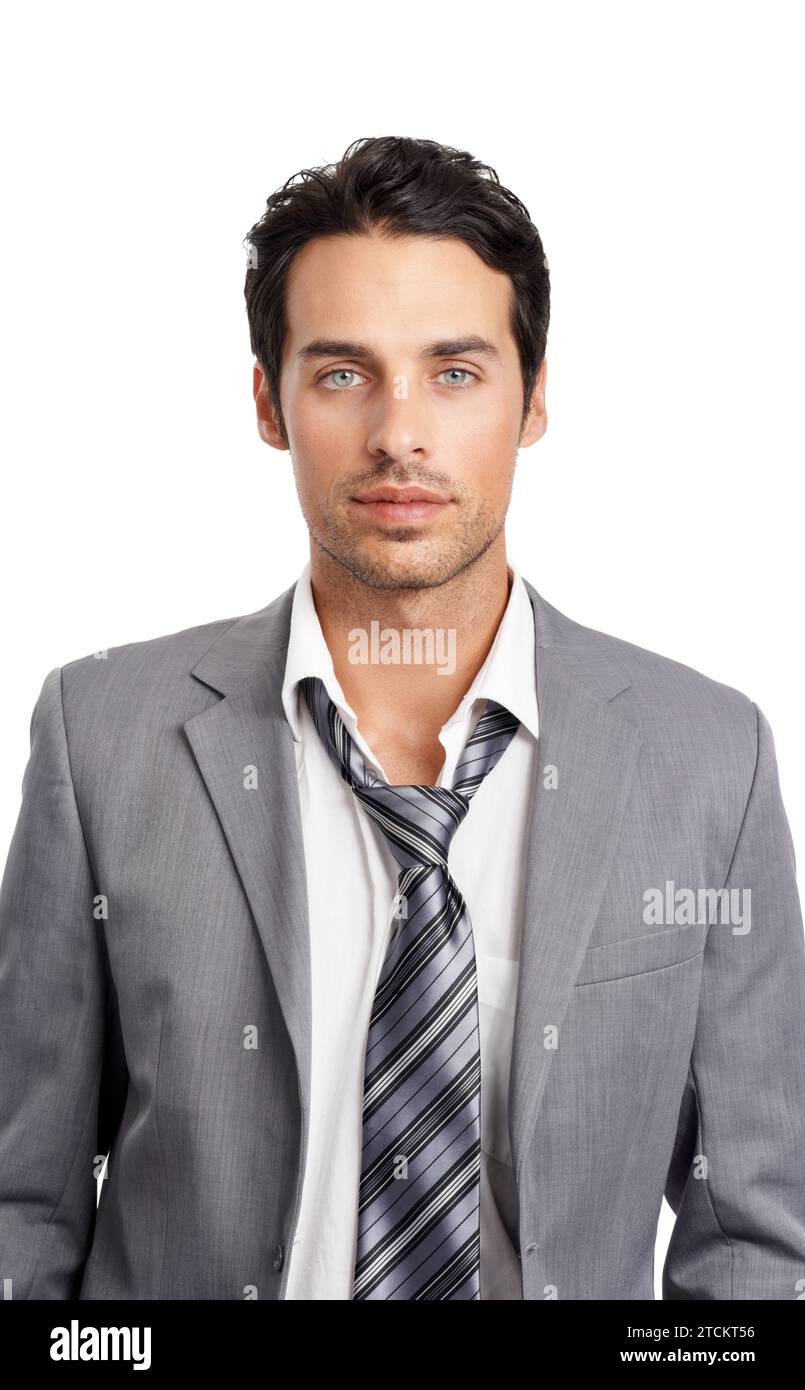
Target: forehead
[406,288]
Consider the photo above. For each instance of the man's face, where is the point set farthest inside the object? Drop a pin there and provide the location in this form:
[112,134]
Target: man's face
[382,388]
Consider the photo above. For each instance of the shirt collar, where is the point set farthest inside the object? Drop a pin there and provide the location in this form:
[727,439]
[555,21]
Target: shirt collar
[309,655]
[507,675]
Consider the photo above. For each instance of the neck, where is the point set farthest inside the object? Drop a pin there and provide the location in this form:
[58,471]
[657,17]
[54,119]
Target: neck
[457,622]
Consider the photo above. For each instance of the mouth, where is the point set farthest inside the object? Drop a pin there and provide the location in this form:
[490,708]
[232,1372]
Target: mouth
[401,506]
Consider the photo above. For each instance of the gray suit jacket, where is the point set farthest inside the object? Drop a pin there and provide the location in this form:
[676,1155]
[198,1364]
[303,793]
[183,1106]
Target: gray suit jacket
[154,915]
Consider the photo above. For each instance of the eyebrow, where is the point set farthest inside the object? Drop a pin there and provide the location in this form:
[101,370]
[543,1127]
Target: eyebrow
[444,347]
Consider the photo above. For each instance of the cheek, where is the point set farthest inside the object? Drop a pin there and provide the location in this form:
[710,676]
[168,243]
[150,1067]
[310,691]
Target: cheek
[318,463]
[484,458]
[311,435]
[316,448]
[309,422]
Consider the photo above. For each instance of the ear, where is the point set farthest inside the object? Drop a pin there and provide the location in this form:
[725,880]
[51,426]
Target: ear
[537,421]
[267,425]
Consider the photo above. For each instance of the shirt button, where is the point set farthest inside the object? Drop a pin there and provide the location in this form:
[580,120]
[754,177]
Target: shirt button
[278,1257]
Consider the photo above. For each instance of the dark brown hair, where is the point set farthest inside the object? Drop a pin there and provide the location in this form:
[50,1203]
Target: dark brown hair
[399,187]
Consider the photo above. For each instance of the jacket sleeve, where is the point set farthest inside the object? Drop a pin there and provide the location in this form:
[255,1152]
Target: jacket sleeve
[53,1002]
[737,1176]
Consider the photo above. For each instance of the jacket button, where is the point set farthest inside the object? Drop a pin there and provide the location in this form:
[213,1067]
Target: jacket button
[278,1257]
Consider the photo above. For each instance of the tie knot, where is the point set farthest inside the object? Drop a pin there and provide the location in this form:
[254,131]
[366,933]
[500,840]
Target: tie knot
[418,822]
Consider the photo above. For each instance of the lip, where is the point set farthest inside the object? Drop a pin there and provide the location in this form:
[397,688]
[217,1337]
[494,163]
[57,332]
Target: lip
[400,506]
[400,495]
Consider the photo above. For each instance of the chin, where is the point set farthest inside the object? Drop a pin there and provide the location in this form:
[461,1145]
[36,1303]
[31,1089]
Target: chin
[402,572]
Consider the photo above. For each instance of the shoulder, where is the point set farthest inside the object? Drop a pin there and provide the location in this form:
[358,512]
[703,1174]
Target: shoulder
[672,702]
[142,671]
[137,691]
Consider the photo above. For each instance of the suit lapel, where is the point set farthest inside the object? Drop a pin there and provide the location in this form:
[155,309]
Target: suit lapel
[592,740]
[262,824]
[589,736]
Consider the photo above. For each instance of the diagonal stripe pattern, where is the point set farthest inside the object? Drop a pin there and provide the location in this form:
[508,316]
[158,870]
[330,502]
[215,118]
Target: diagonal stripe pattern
[418,1208]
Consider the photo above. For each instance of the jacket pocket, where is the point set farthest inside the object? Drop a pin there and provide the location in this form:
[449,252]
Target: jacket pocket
[638,954]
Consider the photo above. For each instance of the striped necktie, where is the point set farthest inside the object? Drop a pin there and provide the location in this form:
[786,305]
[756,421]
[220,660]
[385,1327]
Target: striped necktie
[419,1199]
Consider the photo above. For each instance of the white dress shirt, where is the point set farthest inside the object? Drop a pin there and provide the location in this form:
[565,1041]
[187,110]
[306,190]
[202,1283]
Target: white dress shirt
[351,885]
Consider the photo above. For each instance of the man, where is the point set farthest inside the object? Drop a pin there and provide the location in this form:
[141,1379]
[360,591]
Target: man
[403,939]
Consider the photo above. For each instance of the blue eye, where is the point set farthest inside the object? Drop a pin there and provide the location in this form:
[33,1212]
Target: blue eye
[339,371]
[458,371]
[331,378]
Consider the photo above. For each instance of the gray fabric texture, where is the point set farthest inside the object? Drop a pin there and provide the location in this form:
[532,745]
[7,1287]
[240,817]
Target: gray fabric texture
[153,929]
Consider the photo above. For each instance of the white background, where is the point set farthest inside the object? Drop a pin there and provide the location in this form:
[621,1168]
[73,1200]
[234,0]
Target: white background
[657,147]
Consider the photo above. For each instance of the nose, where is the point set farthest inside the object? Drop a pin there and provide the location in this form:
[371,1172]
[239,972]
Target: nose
[399,426]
